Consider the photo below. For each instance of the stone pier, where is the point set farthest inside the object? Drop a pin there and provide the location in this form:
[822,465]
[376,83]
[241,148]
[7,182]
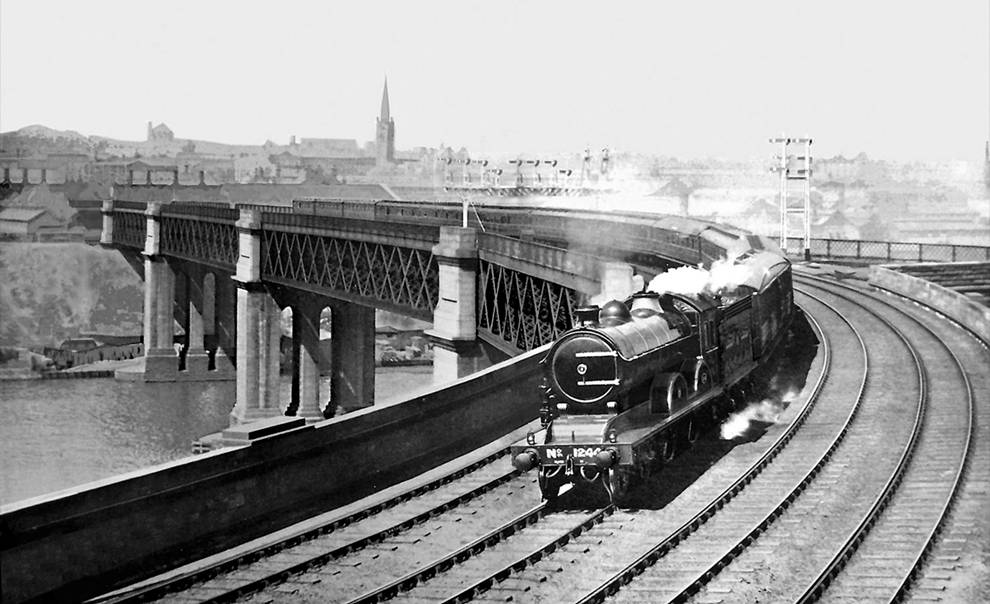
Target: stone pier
[161,363]
[255,312]
[352,341]
[456,350]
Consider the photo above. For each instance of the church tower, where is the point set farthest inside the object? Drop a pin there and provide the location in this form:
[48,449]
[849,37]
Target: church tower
[385,133]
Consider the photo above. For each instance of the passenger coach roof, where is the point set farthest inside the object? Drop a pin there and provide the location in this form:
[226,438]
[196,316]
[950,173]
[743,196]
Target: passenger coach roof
[764,266]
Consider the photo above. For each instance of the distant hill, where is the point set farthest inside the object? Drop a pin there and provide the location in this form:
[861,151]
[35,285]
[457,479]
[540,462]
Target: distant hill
[39,131]
[53,291]
[37,139]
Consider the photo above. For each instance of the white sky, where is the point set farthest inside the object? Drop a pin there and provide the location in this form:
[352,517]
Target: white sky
[902,80]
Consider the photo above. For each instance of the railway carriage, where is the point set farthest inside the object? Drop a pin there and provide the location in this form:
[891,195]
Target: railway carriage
[634,380]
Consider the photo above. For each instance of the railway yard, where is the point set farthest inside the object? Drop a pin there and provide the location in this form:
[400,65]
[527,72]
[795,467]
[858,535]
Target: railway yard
[860,475]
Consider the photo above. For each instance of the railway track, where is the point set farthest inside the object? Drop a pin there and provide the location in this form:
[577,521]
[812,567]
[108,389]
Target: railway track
[755,526]
[678,574]
[359,559]
[598,561]
[490,478]
[677,567]
[888,533]
[881,554]
[940,535]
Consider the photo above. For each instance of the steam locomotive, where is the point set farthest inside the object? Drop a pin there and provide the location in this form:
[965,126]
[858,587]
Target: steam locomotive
[632,381]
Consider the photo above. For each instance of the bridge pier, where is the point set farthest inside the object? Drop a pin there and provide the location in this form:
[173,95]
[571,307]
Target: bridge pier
[197,361]
[256,390]
[616,282]
[160,360]
[306,360]
[352,345]
[350,360]
[198,298]
[456,351]
[257,349]
[221,322]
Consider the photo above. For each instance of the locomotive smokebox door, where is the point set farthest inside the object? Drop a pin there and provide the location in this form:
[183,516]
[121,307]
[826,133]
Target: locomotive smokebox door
[584,367]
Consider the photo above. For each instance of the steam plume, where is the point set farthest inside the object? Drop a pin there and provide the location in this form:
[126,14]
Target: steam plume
[723,277]
[766,411]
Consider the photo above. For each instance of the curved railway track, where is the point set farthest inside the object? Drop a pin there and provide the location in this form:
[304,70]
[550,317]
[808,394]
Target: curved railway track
[955,569]
[359,560]
[861,463]
[906,540]
[843,498]
[678,573]
[581,565]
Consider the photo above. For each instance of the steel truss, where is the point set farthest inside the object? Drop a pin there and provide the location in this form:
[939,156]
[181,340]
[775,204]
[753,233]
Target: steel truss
[402,277]
[523,310]
[129,228]
[200,239]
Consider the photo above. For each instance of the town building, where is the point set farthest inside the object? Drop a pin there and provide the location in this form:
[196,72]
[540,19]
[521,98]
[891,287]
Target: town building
[27,224]
[160,133]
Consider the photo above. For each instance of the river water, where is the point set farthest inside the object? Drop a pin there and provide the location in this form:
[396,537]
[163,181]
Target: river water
[56,434]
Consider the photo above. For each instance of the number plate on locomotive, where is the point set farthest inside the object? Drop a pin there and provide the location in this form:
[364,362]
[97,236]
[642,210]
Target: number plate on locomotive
[558,455]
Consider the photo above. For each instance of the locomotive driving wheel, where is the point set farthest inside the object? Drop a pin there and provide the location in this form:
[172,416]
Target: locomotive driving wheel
[668,393]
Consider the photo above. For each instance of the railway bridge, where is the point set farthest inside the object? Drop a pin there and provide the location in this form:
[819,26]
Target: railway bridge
[505,284]
[497,290]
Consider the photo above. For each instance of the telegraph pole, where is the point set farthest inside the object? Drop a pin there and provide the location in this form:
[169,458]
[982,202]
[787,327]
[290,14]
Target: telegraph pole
[783,167]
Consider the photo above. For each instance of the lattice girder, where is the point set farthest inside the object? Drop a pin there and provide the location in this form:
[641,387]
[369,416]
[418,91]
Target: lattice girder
[523,310]
[208,241]
[400,277]
[129,229]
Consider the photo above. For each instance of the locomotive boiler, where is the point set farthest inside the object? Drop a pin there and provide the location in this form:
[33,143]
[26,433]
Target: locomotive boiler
[636,380]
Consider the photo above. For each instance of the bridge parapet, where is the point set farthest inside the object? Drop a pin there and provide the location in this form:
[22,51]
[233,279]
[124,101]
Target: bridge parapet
[953,303]
[572,269]
[889,251]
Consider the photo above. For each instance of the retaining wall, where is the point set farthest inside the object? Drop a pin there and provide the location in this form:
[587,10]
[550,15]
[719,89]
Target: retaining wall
[953,304]
[86,541]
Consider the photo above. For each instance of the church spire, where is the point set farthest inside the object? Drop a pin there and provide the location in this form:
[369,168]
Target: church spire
[385,117]
[385,133]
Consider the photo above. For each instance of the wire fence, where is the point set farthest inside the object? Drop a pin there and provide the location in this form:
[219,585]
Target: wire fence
[888,251]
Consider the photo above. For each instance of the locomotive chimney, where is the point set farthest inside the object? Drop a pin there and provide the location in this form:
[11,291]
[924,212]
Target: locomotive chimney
[587,315]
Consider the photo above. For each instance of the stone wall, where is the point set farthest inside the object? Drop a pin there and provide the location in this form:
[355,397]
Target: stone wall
[91,539]
[947,301]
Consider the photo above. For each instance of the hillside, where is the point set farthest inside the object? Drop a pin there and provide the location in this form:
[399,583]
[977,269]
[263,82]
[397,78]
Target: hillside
[52,291]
